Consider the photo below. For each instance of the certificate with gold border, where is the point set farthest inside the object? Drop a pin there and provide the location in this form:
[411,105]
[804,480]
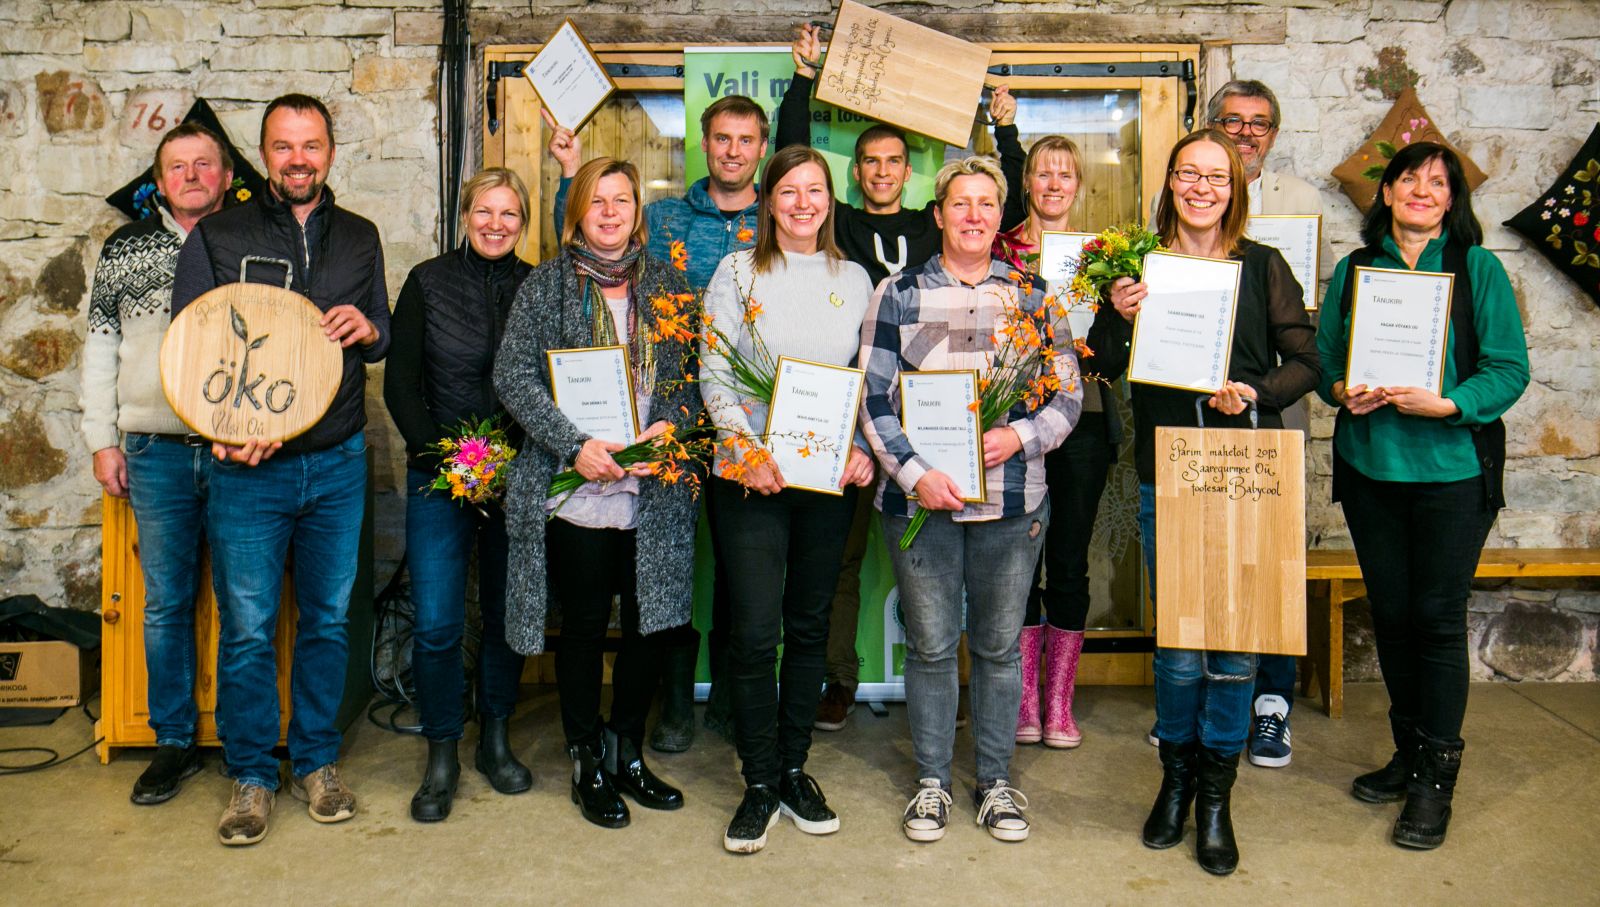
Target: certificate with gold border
[593,387]
[569,78]
[1298,237]
[1183,334]
[1399,324]
[939,413]
[811,424]
[1059,253]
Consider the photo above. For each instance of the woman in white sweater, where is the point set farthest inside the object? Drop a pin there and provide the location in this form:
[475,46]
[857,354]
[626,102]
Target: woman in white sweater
[781,547]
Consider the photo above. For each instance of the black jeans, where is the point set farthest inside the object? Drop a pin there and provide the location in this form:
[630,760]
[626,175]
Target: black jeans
[1076,474]
[782,555]
[588,567]
[1418,545]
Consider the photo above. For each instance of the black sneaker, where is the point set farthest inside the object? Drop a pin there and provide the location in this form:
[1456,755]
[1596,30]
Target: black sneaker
[801,799]
[757,813]
[161,781]
[928,812]
[1000,809]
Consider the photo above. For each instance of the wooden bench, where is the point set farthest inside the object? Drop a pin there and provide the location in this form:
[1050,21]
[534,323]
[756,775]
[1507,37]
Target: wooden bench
[1334,577]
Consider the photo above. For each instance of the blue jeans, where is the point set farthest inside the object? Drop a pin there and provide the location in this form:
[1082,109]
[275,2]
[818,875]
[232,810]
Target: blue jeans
[310,504]
[993,562]
[1200,695]
[440,536]
[167,483]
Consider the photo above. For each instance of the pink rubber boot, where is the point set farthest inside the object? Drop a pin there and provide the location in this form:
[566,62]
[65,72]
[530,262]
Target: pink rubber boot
[1028,730]
[1062,648]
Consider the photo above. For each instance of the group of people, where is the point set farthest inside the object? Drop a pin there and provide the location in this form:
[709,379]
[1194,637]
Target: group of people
[882,288]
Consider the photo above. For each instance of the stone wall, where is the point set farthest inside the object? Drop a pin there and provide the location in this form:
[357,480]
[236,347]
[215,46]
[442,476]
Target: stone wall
[1514,84]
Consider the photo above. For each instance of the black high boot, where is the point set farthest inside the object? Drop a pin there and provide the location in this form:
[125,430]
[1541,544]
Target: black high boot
[495,759]
[591,788]
[674,730]
[1215,847]
[1164,828]
[1388,784]
[628,773]
[431,803]
[1425,818]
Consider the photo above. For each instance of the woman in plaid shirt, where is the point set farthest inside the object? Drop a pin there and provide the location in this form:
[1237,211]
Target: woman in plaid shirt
[945,314]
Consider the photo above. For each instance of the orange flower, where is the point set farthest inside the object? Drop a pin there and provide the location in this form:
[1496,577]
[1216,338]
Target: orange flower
[751,310]
[1082,346]
[679,254]
[805,451]
[745,234]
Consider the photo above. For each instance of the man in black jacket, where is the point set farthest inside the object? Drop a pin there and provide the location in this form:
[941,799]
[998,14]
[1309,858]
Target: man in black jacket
[307,493]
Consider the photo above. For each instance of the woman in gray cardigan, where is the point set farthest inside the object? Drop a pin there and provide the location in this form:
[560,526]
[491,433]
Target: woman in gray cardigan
[621,533]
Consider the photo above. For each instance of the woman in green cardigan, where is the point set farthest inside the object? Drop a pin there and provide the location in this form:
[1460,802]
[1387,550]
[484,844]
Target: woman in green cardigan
[1418,474]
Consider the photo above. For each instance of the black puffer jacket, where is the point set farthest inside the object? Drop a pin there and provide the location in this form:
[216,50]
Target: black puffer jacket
[447,326]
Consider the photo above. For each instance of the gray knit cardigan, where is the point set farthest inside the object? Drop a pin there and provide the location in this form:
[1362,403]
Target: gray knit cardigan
[548,315]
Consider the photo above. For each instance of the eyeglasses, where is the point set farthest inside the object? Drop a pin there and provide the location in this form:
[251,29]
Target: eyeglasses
[1194,176]
[1233,125]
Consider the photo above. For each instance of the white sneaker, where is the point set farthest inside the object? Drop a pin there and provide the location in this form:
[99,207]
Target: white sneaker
[928,812]
[1000,809]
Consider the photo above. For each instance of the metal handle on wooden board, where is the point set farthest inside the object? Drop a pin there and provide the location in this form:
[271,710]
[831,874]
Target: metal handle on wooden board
[288,267]
[1249,402]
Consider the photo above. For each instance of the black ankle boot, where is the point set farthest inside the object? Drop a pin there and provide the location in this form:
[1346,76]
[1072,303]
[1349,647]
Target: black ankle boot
[431,803]
[674,730]
[495,760]
[1215,847]
[591,788]
[1388,784]
[1425,818]
[628,773]
[1164,828]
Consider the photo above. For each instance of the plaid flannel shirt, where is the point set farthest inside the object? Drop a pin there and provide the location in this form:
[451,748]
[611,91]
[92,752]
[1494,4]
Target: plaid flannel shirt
[923,319]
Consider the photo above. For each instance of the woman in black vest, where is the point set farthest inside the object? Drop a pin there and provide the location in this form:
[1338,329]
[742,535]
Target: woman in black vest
[447,326]
[1418,473]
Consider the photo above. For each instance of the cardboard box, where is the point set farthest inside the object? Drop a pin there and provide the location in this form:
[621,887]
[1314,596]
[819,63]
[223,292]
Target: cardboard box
[53,674]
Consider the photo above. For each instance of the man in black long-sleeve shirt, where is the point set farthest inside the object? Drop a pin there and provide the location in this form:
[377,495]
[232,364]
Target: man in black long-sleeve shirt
[307,494]
[885,237]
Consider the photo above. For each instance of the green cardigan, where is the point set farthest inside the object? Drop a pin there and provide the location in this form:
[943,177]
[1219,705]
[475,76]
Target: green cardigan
[1389,446]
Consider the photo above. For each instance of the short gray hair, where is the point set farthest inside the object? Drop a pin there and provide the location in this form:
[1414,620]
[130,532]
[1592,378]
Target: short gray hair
[1244,88]
[976,165]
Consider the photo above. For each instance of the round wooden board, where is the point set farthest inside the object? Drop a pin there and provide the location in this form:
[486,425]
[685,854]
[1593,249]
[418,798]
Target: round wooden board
[249,360]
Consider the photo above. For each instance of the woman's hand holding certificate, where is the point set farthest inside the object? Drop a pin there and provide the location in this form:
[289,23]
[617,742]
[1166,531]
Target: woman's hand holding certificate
[811,424]
[1183,335]
[592,387]
[1399,321]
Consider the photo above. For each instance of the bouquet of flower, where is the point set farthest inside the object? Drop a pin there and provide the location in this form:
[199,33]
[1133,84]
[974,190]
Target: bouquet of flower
[472,462]
[1117,252]
[1021,370]
[671,457]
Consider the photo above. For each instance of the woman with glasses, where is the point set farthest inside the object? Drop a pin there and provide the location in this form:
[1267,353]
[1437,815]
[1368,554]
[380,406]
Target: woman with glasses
[1203,698]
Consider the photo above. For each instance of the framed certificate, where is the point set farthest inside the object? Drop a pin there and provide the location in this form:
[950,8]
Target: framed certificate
[1183,334]
[1399,321]
[1299,238]
[811,423]
[939,413]
[594,388]
[570,80]
[1059,254]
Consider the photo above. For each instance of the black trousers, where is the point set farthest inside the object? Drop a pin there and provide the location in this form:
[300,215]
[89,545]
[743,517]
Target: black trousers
[782,555]
[588,567]
[1076,474]
[1418,545]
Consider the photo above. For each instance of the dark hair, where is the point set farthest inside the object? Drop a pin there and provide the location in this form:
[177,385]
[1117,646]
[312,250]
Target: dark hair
[1235,219]
[300,103]
[778,166]
[1459,221]
[735,105]
[190,129]
[880,131]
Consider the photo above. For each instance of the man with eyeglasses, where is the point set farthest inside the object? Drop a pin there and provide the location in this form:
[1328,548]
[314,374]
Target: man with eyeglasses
[1248,112]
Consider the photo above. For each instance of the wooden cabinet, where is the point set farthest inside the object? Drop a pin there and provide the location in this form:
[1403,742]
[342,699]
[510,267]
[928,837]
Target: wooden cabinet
[125,716]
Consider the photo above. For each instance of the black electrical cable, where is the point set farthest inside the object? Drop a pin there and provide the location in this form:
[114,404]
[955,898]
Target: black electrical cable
[52,757]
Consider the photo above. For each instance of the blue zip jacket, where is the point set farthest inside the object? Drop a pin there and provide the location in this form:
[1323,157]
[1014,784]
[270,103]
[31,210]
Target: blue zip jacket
[708,235]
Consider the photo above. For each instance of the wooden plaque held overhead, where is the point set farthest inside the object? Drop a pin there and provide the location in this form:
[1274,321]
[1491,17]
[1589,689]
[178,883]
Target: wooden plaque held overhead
[248,360]
[1230,540]
[903,74]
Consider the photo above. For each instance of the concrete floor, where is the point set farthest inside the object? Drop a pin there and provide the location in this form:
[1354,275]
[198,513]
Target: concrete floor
[1525,830]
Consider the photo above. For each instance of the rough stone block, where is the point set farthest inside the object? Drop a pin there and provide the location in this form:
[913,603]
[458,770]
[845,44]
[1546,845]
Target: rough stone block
[264,86]
[418,28]
[348,23]
[107,22]
[63,281]
[393,74]
[1524,21]
[166,25]
[1531,642]
[49,40]
[70,102]
[41,352]
[1337,27]
[126,57]
[75,170]
[321,55]
[1408,10]
[26,455]
[14,120]
[1508,106]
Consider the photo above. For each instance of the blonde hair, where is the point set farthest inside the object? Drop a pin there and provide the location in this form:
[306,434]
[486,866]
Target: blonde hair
[493,178]
[1051,144]
[1235,220]
[976,165]
[580,195]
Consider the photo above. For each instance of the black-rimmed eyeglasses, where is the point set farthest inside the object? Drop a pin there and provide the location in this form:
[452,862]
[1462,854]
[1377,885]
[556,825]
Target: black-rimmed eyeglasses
[1233,125]
[1194,176]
